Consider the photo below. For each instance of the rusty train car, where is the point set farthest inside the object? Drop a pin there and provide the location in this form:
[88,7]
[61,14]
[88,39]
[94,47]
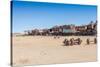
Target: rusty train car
[64,30]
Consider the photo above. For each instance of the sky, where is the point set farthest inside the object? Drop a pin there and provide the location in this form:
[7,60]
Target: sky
[30,15]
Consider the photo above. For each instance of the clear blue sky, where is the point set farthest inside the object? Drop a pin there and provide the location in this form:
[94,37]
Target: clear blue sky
[31,15]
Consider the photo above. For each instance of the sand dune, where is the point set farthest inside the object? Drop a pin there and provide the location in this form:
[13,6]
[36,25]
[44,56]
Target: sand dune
[34,50]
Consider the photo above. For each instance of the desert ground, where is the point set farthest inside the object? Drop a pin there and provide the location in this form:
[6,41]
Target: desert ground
[36,50]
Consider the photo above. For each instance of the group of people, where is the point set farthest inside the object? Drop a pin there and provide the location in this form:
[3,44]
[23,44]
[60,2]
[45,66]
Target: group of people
[72,41]
[77,41]
[94,41]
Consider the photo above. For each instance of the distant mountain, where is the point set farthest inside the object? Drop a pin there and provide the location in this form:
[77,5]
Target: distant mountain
[17,34]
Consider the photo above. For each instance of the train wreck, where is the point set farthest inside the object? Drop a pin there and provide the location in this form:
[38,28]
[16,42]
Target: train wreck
[64,30]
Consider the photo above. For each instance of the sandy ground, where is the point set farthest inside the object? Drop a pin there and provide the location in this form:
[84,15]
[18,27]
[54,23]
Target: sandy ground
[34,50]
